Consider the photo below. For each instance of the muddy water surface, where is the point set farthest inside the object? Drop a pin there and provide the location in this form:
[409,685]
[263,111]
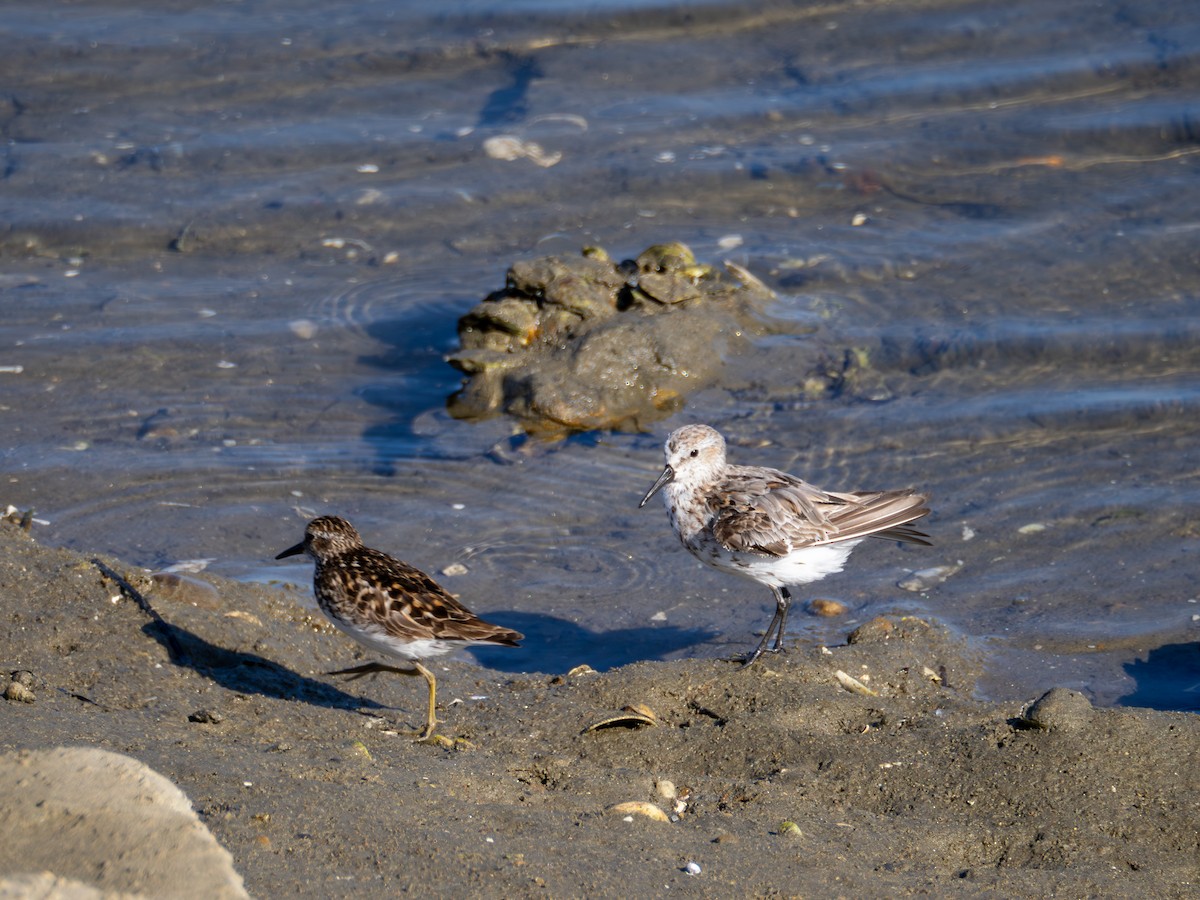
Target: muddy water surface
[236,241]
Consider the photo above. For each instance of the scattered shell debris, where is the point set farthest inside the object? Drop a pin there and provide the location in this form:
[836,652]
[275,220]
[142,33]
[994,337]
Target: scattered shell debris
[509,147]
[692,868]
[20,689]
[566,118]
[631,808]
[244,616]
[790,829]
[305,329]
[1032,528]
[341,243]
[924,579]
[454,569]
[582,669]
[635,716]
[853,685]
[24,518]
[190,565]
[678,797]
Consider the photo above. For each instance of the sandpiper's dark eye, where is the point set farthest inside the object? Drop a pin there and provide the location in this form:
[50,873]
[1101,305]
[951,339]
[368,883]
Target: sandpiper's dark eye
[694,453]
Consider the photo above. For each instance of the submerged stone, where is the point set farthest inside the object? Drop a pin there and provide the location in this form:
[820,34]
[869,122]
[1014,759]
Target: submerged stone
[581,343]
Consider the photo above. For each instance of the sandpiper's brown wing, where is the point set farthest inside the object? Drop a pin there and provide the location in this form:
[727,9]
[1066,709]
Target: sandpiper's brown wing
[407,602]
[770,512]
[767,511]
[880,514]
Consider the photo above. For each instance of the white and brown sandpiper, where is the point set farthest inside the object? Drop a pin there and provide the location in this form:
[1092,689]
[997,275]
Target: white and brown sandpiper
[770,526]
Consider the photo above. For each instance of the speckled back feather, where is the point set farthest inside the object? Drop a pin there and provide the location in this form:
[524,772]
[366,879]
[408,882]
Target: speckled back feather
[369,591]
[400,598]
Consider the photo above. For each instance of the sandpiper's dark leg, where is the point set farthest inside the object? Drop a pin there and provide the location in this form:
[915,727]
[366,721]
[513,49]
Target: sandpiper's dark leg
[775,628]
[783,602]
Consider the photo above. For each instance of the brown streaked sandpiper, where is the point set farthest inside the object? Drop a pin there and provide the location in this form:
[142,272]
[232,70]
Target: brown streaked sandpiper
[389,606]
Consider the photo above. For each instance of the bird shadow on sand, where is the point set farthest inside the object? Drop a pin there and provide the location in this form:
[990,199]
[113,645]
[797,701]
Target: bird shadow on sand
[249,673]
[555,645]
[1168,679]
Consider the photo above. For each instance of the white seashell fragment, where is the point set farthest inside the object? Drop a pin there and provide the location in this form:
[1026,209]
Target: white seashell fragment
[509,147]
[640,808]
[924,579]
[305,329]
[853,685]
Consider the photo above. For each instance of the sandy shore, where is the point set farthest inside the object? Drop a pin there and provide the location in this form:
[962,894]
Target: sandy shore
[778,780]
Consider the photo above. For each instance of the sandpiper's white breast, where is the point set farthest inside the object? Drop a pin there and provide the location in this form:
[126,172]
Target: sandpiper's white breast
[800,566]
[376,638]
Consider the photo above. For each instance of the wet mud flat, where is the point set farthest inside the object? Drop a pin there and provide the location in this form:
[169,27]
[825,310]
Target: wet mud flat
[786,778]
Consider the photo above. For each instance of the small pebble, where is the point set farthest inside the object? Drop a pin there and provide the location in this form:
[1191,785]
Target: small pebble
[206,717]
[454,569]
[1060,709]
[872,632]
[828,608]
[305,329]
[18,693]
[692,868]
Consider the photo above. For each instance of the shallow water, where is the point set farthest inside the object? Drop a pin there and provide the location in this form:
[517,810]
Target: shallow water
[238,239]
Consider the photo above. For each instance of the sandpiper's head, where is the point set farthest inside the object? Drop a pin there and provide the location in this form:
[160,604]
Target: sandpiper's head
[324,538]
[695,453]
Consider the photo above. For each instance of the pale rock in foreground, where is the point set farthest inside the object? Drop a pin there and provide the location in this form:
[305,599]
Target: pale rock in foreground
[82,822]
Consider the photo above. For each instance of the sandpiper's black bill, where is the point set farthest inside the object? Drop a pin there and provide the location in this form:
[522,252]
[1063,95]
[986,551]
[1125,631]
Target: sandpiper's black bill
[667,476]
[292,551]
